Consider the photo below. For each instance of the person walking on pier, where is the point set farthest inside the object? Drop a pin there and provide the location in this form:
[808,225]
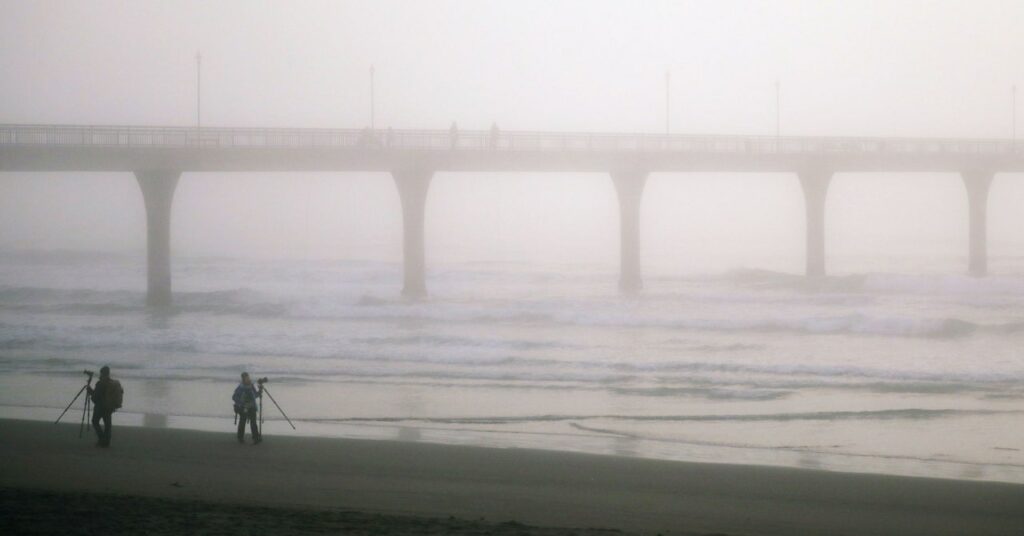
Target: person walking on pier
[106,398]
[245,408]
[494,136]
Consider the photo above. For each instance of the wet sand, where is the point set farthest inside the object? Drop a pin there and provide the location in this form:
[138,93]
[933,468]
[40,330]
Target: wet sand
[160,475]
[33,512]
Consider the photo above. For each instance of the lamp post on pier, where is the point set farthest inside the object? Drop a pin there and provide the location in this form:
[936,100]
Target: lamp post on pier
[778,108]
[199,117]
[668,85]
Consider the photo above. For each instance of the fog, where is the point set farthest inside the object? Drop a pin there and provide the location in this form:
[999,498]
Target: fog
[925,69]
[848,323]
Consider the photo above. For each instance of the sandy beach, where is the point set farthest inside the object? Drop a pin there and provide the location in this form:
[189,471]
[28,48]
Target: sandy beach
[486,490]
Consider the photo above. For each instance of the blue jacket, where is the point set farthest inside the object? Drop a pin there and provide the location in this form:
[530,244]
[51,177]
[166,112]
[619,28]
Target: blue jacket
[245,398]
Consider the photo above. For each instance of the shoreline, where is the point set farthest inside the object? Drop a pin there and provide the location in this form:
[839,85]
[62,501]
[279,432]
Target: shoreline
[581,442]
[537,488]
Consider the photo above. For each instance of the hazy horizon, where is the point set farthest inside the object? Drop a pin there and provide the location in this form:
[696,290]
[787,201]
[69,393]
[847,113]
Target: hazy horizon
[845,68]
[896,362]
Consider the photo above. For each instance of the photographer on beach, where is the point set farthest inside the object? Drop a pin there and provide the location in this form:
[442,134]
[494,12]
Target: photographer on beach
[245,398]
[106,398]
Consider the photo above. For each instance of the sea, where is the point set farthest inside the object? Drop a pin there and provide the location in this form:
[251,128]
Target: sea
[914,373]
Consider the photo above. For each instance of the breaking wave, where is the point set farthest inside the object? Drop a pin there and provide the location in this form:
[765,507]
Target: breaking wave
[604,312]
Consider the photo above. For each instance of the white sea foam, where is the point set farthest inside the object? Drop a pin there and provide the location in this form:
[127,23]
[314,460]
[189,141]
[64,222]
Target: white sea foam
[726,338]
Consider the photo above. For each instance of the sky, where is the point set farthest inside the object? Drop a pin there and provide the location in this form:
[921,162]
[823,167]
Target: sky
[870,68]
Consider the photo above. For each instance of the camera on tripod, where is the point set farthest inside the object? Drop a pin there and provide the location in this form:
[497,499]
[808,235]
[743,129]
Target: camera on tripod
[265,391]
[87,388]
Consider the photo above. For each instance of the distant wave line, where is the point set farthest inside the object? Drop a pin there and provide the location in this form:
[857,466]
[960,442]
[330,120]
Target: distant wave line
[890,414]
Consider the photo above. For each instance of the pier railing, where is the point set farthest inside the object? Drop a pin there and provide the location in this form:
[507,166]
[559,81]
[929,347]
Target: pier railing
[483,140]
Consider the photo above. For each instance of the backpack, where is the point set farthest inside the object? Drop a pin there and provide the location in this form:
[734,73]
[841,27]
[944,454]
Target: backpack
[246,400]
[114,395]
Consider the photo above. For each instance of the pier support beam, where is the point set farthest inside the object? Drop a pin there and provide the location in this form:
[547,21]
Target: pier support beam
[413,185]
[158,193]
[977,184]
[630,187]
[815,184]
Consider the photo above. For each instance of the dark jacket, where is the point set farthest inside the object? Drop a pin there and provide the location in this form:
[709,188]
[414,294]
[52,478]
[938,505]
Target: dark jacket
[99,393]
[245,398]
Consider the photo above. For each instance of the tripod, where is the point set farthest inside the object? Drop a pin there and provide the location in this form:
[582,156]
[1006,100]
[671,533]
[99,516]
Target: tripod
[263,389]
[85,409]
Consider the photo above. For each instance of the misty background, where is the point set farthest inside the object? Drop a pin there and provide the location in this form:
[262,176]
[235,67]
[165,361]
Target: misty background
[899,362]
[905,68]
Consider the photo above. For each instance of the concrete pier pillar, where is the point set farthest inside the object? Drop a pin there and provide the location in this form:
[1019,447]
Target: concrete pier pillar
[815,184]
[413,186]
[977,184]
[158,194]
[630,187]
